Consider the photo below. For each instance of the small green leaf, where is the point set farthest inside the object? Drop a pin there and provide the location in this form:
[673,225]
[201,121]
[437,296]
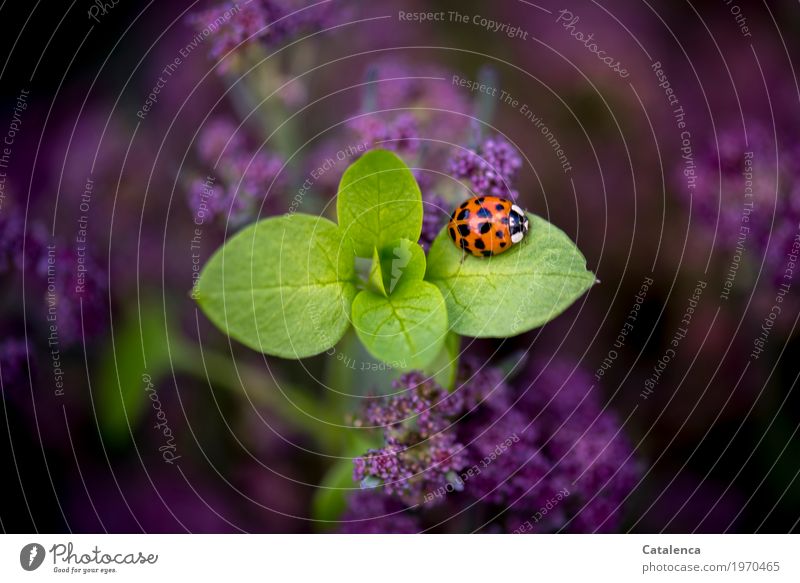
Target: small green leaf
[378,202]
[521,289]
[283,286]
[401,261]
[406,329]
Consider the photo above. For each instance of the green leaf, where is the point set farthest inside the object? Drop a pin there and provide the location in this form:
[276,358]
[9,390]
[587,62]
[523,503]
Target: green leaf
[378,202]
[401,261]
[521,289]
[407,328]
[283,286]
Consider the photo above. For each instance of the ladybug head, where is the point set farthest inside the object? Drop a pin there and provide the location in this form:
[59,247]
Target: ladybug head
[518,224]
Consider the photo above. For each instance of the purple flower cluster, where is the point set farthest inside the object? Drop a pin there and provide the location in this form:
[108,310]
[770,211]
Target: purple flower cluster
[422,93]
[419,450]
[490,169]
[399,84]
[398,133]
[585,444]
[62,280]
[219,137]
[246,176]
[536,458]
[747,195]
[269,22]
[74,289]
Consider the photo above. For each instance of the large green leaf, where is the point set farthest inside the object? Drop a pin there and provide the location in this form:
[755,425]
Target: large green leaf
[406,329]
[283,286]
[379,201]
[508,294]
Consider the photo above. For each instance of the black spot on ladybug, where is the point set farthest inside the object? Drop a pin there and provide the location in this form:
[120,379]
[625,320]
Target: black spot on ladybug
[499,207]
[464,205]
[464,244]
[463,230]
[499,234]
[463,215]
[485,228]
[480,200]
[484,213]
[452,233]
[479,244]
[487,253]
[504,220]
[503,244]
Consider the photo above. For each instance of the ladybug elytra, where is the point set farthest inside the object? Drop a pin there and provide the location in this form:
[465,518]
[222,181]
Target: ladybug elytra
[487,225]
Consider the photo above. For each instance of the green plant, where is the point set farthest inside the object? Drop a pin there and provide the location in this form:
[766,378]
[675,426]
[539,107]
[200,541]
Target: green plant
[290,286]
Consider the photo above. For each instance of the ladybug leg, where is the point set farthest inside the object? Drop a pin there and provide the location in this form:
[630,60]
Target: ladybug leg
[463,256]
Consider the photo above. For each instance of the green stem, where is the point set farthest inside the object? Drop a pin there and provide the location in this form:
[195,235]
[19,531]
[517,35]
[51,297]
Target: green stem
[290,403]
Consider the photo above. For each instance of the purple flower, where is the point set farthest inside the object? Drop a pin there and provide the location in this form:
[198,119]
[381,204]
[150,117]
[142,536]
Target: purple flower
[479,384]
[80,293]
[37,243]
[218,138]
[424,91]
[419,449]
[256,171]
[230,24]
[251,178]
[383,466]
[436,213]
[537,458]
[515,468]
[588,447]
[269,22]
[240,179]
[411,471]
[418,398]
[402,84]
[490,170]
[72,288]
[206,199]
[398,133]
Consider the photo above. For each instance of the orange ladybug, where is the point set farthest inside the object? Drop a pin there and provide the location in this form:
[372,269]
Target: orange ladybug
[487,225]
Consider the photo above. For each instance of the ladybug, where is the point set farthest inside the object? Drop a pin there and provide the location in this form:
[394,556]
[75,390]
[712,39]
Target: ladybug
[487,225]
